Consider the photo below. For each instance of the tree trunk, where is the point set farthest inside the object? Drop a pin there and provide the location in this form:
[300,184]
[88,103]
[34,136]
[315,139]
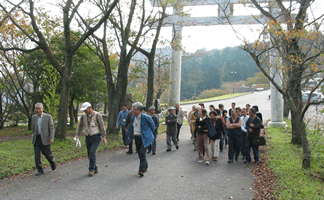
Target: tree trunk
[76,113]
[286,109]
[150,81]
[63,107]
[30,122]
[71,113]
[105,108]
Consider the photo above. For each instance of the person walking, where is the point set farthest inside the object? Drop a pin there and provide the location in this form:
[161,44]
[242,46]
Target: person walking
[231,109]
[221,146]
[92,124]
[234,124]
[225,136]
[245,118]
[189,120]
[202,125]
[216,128]
[121,120]
[256,108]
[194,116]
[221,108]
[128,125]
[171,122]
[42,138]
[142,128]
[152,147]
[179,114]
[253,125]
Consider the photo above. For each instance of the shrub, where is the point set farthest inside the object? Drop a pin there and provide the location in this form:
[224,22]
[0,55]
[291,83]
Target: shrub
[212,93]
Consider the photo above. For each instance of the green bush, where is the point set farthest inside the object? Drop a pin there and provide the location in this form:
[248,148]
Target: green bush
[212,93]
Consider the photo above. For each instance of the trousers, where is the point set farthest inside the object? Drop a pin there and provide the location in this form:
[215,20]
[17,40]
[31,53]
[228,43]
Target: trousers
[203,145]
[45,150]
[168,139]
[92,143]
[234,145]
[141,151]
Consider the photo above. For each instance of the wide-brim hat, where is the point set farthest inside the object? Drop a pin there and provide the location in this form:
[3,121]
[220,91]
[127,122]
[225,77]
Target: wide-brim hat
[152,108]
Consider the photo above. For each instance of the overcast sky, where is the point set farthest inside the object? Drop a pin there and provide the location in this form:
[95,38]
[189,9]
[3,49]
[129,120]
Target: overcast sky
[218,37]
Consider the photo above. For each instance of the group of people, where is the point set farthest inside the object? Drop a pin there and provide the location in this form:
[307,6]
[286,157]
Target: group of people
[216,130]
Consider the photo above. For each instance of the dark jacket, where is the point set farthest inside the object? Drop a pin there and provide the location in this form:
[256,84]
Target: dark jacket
[260,116]
[204,125]
[257,126]
[172,124]
[219,128]
[156,122]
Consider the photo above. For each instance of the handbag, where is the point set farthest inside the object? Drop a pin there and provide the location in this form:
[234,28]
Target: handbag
[259,141]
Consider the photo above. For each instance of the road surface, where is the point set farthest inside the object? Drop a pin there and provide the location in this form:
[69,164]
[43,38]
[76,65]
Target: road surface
[171,175]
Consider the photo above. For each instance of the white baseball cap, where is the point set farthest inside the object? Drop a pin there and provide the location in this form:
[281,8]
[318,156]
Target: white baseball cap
[85,105]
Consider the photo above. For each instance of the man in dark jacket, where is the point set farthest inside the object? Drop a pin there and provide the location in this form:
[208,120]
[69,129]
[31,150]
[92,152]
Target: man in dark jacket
[253,125]
[152,147]
[171,122]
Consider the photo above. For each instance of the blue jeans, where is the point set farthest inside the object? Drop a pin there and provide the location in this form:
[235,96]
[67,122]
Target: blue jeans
[249,145]
[234,145]
[92,143]
[152,146]
[141,151]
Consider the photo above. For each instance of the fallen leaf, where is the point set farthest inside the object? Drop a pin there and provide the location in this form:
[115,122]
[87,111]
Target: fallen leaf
[242,188]
[106,166]
[181,176]
[230,197]
[228,179]
[0,184]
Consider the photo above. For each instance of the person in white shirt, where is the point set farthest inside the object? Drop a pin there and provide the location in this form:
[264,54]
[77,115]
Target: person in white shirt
[244,118]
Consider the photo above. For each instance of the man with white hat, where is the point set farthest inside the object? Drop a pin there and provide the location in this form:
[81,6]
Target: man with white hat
[92,124]
[171,122]
[152,147]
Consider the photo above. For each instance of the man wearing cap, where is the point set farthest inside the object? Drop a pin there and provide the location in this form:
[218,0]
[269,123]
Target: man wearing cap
[152,147]
[92,125]
[171,122]
[142,128]
[121,120]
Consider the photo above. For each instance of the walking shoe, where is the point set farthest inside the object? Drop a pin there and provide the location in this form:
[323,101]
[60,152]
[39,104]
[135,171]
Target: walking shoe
[200,161]
[153,153]
[91,173]
[39,173]
[53,165]
[215,158]
[247,162]
[96,171]
[236,157]
[230,161]
[195,149]
[148,152]
[168,150]
[129,152]
[207,162]
[177,147]
[141,173]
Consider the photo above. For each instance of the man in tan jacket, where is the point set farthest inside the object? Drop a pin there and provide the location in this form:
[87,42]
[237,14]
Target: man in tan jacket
[43,137]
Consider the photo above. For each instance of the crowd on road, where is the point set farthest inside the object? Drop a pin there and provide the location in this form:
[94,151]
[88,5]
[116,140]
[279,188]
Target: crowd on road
[238,129]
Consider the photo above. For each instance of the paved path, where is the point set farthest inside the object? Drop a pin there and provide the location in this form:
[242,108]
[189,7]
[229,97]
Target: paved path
[171,175]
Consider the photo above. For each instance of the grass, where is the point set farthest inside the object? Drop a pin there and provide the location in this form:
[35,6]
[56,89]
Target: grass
[214,98]
[285,160]
[14,131]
